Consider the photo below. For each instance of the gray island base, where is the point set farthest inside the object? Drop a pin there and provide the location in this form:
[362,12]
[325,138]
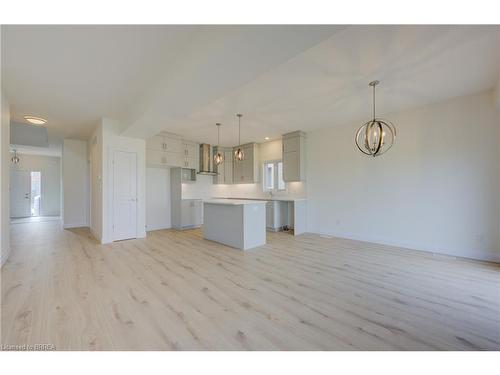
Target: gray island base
[237,223]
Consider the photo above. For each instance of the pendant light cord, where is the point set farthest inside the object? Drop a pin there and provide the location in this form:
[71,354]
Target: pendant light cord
[374,102]
[239,128]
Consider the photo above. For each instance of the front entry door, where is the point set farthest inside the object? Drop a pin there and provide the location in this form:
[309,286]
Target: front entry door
[124,195]
[20,194]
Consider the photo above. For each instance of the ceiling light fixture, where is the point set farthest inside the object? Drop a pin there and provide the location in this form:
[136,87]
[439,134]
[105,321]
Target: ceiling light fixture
[15,158]
[239,155]
[35,120]
[218,157]
[266,138]
[376,136]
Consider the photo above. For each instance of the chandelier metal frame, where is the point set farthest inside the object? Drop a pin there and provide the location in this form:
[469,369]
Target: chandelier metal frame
[373,135]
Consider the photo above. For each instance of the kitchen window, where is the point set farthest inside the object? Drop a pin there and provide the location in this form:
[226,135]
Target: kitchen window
[273,176]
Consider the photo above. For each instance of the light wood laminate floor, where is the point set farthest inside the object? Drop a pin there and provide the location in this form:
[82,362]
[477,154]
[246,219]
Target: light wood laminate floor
[176,291]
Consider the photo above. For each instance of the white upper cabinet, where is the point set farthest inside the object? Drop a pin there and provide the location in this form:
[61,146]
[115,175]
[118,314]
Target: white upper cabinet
[190,155]
[163,150]
[162,158]
[190,149]
[155,143]
[172,144]
[247,170]
[294,163]
[161,142]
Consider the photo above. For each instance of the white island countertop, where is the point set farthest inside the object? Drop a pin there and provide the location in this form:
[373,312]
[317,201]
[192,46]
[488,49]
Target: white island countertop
[270,199]
[233,202]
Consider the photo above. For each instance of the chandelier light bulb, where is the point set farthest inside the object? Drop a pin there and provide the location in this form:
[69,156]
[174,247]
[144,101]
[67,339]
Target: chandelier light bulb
[239,155]
[15,158]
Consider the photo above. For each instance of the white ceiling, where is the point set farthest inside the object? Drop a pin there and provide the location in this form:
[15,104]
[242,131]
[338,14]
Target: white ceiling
[73,75]
[183,79]
[328,84]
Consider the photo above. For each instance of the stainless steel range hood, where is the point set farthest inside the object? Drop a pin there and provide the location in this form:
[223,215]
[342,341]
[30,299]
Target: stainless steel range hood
[206,166]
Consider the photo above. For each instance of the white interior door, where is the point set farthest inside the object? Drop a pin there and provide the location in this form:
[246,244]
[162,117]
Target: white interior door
[20,194]
[124,195]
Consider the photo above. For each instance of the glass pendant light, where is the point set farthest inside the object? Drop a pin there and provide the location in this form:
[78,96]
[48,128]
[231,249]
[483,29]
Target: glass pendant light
[239,155]
[218,157]
[376,136]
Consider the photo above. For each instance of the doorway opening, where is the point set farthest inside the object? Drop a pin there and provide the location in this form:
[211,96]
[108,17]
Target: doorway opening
[36,192]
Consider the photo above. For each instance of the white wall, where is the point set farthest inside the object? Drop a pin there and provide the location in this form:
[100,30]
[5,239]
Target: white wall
[497,93]
[437,189]
[158,198]
[75,177]
[103,142]
[95,148]
[203,188]
[50,168]
[4,179]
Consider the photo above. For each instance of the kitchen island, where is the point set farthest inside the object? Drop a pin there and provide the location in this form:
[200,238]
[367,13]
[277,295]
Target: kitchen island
[284,211]
[234,222]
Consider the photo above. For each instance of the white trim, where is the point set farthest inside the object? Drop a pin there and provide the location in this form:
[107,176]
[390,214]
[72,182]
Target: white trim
[75,225]
[275,172]
[488,256]
[157,227]
[4,259]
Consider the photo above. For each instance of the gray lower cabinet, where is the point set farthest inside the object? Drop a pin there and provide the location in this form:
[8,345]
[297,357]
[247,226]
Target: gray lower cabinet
[184,213]
[276,215]
[191,213]
[290,213]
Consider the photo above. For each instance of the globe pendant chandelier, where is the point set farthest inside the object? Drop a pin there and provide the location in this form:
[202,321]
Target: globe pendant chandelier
[376,136]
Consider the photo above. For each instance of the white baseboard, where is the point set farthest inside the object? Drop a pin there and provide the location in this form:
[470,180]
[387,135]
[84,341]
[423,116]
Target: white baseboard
[75,225]
[3,259]
[487,256]
[157,227]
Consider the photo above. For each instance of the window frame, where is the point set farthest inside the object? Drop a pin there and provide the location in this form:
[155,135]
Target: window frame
[275,188]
